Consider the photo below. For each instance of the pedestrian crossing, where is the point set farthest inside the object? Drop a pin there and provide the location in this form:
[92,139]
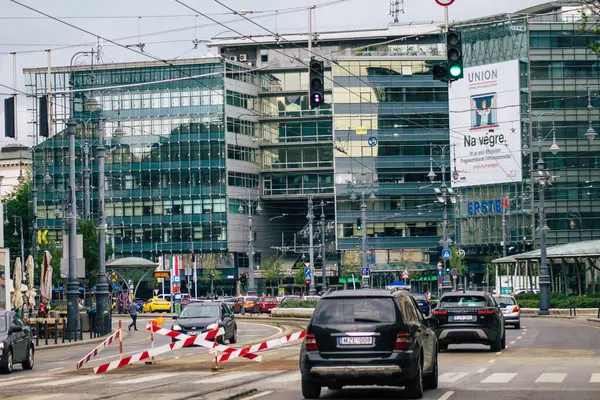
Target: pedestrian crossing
[279,379]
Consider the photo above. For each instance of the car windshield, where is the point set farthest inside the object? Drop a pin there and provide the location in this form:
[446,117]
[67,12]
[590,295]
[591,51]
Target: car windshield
[270,300]
[251,299]
[462,301]
[3,326]
[356,310]
[509,301]
[419,297]
[201,311]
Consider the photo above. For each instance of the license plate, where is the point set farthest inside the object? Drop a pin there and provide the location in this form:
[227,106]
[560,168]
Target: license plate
[462,318]
[192,333]
[355,341]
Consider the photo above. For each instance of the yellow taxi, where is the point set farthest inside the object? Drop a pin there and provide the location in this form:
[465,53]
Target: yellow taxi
[156,305]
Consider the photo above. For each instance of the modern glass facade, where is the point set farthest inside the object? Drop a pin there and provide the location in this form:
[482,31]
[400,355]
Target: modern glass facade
[167,177]
[387,110]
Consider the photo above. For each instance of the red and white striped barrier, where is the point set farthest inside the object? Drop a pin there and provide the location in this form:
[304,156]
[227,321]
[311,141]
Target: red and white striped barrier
[269,344]
[107,342]
[209,345]
[191,340]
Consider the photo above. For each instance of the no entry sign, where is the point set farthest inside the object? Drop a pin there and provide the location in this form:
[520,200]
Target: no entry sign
[444,3]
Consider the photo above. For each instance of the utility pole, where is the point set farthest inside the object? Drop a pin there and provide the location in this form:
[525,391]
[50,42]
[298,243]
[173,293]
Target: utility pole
[311,250]
[497,281]
[102,285]
[250,203]
[365,260]
[323,253]
[86,180]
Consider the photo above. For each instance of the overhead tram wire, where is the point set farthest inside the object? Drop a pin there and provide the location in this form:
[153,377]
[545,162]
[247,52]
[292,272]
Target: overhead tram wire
[316,54]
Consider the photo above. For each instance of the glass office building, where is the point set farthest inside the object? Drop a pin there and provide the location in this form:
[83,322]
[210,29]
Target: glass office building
[179,159]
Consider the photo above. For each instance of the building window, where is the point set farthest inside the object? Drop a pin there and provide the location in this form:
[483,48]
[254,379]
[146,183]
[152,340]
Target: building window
[242,180]
[241,153]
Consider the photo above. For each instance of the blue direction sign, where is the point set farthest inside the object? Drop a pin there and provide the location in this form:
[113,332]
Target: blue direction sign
[372,141]
[366,272]
[454,272]
[446,254]
[440,272]
[440,279]
[308,273]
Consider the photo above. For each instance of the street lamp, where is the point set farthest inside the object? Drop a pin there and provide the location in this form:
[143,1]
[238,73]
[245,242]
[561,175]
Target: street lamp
[590,134]
[250,204]
[364,188]
[22,240]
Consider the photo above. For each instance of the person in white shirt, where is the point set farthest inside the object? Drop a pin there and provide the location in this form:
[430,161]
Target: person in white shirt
[484,112]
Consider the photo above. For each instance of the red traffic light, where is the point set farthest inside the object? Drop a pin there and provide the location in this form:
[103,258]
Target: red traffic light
[307,281]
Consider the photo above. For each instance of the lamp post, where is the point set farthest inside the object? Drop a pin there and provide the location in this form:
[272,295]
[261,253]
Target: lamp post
[364,228]
[72,284]
[250,204]
[102,293]
[22,241]
[443,194]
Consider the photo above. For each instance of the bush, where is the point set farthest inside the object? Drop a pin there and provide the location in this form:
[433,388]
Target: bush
[299,304]
[530,300]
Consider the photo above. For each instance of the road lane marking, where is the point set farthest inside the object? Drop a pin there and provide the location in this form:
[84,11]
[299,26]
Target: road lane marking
[68,381]
[519,337]
[513,342]
[56,369]
[446,395]
[595,378]
[492,361]
[481,370]
[498,353]
[227,377]
[256,396]
[147,378]
[287,378]
[22,381]
[499,377]
[451,377]
[549,377]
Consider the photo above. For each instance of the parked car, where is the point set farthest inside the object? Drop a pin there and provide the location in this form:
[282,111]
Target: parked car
[248,303]
[156,305]
[265,305]
[510,310]
[423,304]
[200,317]
[16,342]
[469,317]
[289,298]
[383,328]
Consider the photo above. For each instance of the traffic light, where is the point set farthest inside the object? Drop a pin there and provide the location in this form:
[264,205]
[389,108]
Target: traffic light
[454,55]
[307,281]
[358,223]
[317,83]
[452,69]
[447,269]
[9,117]
[244,281]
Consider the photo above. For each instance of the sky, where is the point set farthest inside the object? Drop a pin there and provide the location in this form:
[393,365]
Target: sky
[167,28]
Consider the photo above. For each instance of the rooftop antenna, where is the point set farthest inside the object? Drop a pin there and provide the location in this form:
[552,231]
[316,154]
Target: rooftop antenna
[396,8]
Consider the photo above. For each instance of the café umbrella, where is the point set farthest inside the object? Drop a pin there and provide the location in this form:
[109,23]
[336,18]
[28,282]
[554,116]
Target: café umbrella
[31,292]
[17,298]
[46,281]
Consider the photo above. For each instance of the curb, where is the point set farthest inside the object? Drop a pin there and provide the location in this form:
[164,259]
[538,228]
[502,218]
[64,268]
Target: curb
[597,320]
[42,348]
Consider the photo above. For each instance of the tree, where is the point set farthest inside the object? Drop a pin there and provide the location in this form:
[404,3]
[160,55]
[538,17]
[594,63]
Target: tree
[589,15]
[271,269]
[457,261]
[351,264]
[210,271]
[17,207]
[299,278]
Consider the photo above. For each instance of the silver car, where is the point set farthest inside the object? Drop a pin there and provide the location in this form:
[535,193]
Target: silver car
[510,310]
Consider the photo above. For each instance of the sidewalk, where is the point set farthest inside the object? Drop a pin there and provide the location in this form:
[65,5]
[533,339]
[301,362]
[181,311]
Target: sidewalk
[58,343]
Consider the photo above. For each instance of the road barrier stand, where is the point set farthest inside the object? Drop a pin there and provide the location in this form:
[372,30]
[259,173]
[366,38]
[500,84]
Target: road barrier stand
[107,342]
[120,339]
[151,362]
[215,351]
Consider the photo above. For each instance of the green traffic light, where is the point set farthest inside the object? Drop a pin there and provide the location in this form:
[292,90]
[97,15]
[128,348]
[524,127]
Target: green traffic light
[455,70]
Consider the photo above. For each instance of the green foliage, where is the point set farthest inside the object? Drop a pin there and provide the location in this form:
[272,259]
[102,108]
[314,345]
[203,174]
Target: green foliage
[299,304]
[588,24]
[351,264]
[491,267]
[17,206]
[271,269]
[532,300]
[210,269]
[299,277]
[456,261]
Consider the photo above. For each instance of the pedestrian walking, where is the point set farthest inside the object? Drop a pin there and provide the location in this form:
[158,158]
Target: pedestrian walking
[133,313]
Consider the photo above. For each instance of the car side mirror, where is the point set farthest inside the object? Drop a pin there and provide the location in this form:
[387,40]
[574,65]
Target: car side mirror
[432,322]
[16,328]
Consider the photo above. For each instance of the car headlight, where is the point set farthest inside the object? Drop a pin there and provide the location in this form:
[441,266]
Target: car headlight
[177,327]
[213,326]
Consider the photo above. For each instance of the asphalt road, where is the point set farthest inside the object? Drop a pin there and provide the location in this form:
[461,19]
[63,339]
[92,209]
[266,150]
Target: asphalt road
[547,359]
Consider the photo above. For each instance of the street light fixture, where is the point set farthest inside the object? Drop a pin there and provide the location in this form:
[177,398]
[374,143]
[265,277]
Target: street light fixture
[92,104]
[590,133]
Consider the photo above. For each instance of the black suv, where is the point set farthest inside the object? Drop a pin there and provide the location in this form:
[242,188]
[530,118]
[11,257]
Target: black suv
[369,337]
[469,317]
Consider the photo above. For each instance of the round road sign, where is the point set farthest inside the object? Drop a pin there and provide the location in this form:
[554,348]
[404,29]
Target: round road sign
[444,3]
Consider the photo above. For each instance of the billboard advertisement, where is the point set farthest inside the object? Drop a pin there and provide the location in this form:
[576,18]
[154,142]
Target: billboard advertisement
[485,129]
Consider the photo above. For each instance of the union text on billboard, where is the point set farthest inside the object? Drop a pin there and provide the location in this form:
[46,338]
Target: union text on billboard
[485,130]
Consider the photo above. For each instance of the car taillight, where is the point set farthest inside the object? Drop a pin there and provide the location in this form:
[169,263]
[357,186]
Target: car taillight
[402,341]
[440,312]
[486,311]
[311,342]
[517,308]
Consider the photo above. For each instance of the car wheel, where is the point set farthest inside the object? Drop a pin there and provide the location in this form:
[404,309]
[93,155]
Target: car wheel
[414,387]
[518,325]
[431,380]
[443,347]
[233,339]
[8,367]
[28,364]
[310,390]
[496,345]
[503,342]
